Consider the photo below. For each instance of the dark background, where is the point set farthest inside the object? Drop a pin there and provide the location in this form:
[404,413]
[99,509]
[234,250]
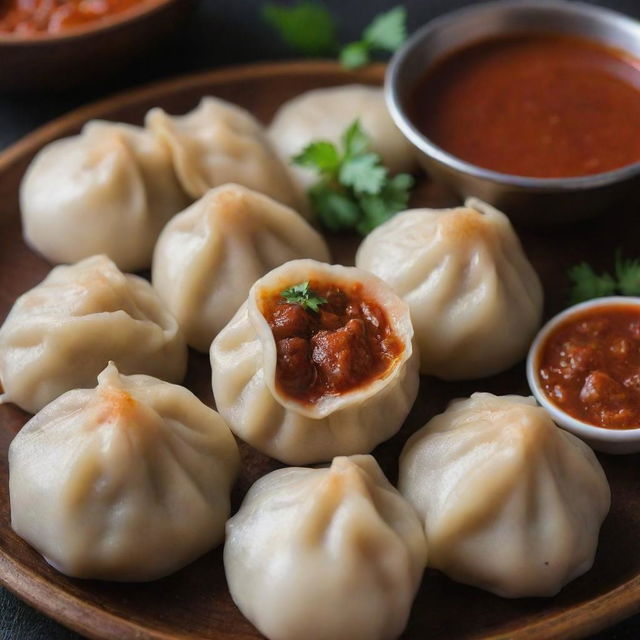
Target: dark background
[219,32]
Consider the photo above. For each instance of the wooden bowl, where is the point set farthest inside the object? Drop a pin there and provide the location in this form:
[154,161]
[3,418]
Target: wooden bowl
[194,603]
[89,52]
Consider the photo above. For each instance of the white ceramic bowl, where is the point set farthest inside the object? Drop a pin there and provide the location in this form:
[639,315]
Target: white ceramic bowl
[601,439]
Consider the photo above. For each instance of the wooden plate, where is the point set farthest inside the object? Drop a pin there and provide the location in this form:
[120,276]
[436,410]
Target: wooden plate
[195,603]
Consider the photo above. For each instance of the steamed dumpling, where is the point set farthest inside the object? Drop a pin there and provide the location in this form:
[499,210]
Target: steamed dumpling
[59,335]
[218,142]
[109,190]
[324,114]
[475,300]
[320,554]
[208,256]
[510,502]
[126,481]
[357,377]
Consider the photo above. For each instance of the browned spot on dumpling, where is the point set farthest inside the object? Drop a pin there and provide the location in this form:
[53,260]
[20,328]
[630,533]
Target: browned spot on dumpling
[117,404]
[462,224]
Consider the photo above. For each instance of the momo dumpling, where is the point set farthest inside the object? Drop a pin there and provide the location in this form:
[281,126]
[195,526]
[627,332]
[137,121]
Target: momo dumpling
[317,362]
[333,553]
[129,480]
[510,502]
[475,300]
[109,190]
[218,142]
[324,114]
[208,256]
[60,334]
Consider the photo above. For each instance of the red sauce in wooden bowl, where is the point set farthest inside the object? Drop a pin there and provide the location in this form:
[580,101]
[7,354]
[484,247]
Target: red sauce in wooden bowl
[545,106]
[589,366]
[346,344]
[32,17]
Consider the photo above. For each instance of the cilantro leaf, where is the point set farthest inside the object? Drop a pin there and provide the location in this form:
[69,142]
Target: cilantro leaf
[337,211]
[399,185]
[386,33]
[320,155]
[393,197]
[585,283]
[388,30]
[354,139]
[375,213]
[354,190]
[363,172]
[304,296]
[307,27]
[355,54]
[627,275]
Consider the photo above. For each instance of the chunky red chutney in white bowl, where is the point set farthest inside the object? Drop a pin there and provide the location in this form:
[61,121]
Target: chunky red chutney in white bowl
[584,368]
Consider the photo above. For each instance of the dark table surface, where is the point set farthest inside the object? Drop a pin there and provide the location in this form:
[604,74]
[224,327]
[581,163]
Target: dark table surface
[219,32]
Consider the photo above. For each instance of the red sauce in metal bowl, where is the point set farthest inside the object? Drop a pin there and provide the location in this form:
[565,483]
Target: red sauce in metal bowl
[346,344]
[545,106]
[589,366]
[32,17]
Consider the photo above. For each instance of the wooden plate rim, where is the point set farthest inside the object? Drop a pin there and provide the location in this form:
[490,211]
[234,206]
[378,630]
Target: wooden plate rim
[68,609]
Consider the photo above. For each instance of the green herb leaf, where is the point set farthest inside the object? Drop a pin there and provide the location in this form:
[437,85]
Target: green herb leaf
[307,27]
[388,30]
[355,54]
[322,156]
[627,274]
[386,33]
[364,173]
[304,296]
[337,211]
[393,197]
[354,190]
[585,283]
[354,139]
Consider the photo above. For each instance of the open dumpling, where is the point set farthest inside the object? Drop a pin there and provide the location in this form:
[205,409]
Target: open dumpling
[208,256]
[60,334]
[126,481]
[510,502]
[218,142]
[475,300]
[325,553]
[109,190]
[317,362]
[324,114]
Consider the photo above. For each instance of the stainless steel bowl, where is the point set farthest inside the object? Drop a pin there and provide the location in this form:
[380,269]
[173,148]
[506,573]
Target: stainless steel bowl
[541,201]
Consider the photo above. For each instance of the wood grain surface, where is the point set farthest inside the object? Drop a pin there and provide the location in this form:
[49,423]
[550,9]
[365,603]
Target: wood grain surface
[195,603]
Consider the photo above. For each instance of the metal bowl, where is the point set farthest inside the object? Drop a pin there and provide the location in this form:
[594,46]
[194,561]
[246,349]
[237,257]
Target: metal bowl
[539,201]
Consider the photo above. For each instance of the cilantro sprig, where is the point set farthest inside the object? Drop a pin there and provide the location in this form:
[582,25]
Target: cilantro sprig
[354,189]
[386,33]
[304,296]
[309,28]
[585,283]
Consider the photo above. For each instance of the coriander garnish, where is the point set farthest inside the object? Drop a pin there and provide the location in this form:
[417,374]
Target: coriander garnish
[304,296]
[586,283]
[309,28]
[354,190]
[386,33]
